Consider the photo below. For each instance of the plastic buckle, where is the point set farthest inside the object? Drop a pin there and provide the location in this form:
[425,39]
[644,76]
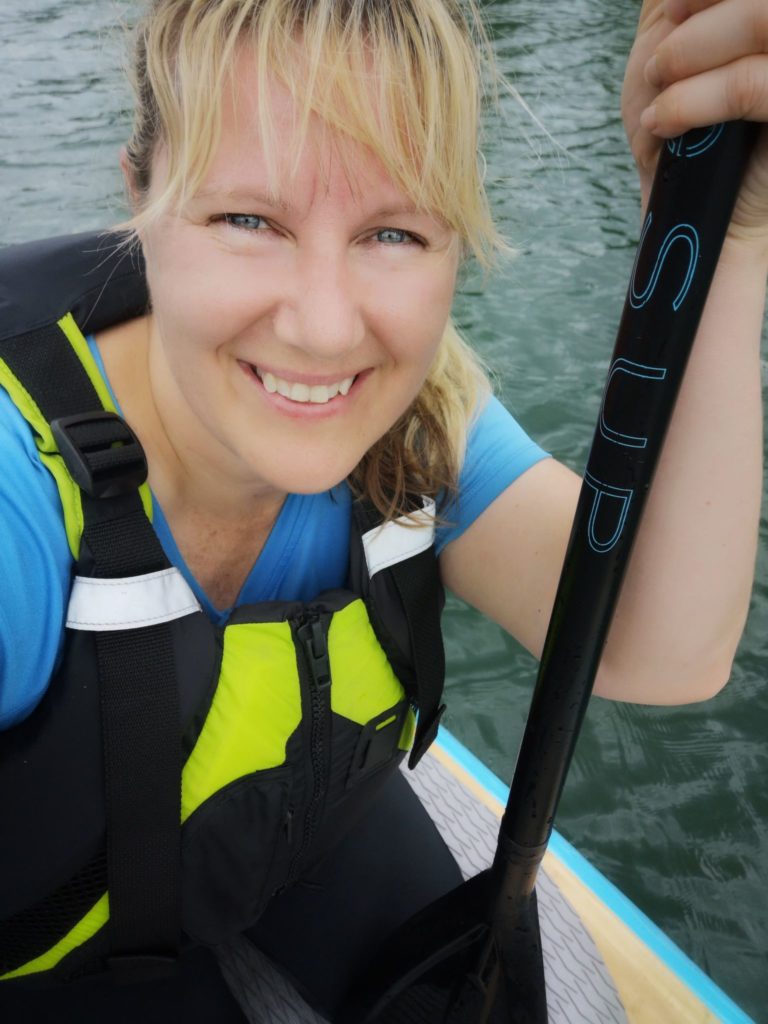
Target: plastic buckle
[425,737]
[101,452]
[131,968]
[378,742]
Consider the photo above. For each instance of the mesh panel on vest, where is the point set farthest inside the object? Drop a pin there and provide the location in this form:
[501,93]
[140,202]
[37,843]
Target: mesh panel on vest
[33,932]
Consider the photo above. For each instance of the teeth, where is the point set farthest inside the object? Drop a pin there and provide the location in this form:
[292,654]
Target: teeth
[321,394]
[297,392]
[318,394]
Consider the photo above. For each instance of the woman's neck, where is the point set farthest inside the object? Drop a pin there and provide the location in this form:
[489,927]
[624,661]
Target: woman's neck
[219,523]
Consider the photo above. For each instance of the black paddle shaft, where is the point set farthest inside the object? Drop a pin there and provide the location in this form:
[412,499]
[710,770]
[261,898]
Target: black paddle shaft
[474,957]
[691,203]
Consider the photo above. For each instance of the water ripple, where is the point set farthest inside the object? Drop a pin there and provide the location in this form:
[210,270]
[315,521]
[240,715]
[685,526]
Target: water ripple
[670,803]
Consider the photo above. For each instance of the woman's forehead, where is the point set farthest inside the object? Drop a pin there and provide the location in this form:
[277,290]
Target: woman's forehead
[295,120]
[300,146]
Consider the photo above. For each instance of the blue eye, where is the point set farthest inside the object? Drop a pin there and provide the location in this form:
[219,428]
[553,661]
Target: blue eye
[393,236]
[245,221]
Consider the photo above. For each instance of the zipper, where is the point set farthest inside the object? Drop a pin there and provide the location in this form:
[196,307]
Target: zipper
[315,670]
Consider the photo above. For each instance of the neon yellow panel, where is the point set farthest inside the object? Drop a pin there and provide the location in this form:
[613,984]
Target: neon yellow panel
[76,339]
[256,709]
[69,493]
[364,684]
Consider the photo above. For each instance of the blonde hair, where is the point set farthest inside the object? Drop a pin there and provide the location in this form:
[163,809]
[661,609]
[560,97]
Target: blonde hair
[403,78]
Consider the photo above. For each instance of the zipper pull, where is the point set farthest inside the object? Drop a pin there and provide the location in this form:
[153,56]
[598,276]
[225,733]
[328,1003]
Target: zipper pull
[315,643]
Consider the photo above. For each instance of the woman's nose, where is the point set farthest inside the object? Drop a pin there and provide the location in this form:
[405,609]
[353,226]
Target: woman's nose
[322,312]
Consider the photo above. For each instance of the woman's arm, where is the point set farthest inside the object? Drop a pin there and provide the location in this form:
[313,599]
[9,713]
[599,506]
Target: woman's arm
[686,594]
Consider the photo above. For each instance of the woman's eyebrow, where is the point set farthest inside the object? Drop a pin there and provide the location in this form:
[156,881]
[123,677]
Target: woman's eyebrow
[243,193]
[394,209]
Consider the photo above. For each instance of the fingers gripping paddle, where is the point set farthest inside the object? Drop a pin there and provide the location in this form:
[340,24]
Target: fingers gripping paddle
[474,957]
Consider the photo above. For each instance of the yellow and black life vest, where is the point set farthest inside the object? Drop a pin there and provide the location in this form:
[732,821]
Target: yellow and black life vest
[177,774]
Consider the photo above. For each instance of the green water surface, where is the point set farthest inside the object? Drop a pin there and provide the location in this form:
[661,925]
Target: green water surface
[670,804]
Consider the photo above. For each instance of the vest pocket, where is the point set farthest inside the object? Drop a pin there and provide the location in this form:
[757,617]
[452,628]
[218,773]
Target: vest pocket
[228,847]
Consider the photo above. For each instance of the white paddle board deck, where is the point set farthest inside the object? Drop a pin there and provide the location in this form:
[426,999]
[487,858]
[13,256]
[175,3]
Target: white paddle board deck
[604,961]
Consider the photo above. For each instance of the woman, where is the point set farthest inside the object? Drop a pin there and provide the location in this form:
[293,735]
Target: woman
[305,187]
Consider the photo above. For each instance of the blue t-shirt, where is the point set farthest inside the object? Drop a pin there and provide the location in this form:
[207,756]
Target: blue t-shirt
[306,552]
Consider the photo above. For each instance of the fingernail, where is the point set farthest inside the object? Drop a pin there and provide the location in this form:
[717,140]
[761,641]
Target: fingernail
[648,118]
[651,72]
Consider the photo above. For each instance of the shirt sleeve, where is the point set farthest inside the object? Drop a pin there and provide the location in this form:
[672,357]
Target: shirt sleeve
[35,566]
[498,452]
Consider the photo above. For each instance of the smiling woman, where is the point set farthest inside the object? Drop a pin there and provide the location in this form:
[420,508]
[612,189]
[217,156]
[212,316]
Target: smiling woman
[293,115]
[253,375]
[340,283]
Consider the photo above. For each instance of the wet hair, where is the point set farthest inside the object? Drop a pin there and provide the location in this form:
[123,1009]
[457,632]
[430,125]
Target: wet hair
[405,79]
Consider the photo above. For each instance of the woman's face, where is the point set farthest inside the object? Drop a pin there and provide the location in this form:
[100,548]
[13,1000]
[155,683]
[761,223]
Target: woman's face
[290,331]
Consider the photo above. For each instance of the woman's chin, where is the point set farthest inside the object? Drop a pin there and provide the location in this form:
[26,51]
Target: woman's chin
[303,478]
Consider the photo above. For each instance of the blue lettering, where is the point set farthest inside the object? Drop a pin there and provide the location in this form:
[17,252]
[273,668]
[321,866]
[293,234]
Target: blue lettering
[632,369]
[608,515]
[683,145]
[680,233]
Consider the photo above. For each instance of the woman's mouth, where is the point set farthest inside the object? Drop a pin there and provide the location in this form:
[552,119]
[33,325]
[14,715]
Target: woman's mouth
[299,391]
[317,394]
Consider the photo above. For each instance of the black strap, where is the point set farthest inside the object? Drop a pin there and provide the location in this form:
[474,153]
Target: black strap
[47,366]
[142,749]
[416,581]
[139,694]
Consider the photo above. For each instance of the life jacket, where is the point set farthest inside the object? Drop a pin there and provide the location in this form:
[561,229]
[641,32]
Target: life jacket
[176,774]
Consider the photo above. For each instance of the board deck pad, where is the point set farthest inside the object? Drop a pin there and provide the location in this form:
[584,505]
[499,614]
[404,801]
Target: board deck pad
[579,987]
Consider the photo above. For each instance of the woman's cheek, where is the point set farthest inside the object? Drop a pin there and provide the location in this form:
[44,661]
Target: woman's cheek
[208,308]
[423,299]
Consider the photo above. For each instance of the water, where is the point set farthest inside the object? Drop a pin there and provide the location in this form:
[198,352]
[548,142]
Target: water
[670,803]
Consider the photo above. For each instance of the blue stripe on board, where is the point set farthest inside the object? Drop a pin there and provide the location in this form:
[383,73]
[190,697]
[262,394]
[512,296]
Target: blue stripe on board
[665,949]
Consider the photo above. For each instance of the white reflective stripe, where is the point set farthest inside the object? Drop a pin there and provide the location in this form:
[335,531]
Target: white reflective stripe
[96,604]
[400,538]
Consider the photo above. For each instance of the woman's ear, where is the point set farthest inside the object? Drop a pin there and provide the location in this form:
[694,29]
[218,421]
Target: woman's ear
[129,179]
[133,196]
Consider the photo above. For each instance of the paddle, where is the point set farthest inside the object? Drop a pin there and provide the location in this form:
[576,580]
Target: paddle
[475,955]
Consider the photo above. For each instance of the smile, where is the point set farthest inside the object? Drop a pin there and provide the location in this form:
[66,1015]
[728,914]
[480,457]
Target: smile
[316,394]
